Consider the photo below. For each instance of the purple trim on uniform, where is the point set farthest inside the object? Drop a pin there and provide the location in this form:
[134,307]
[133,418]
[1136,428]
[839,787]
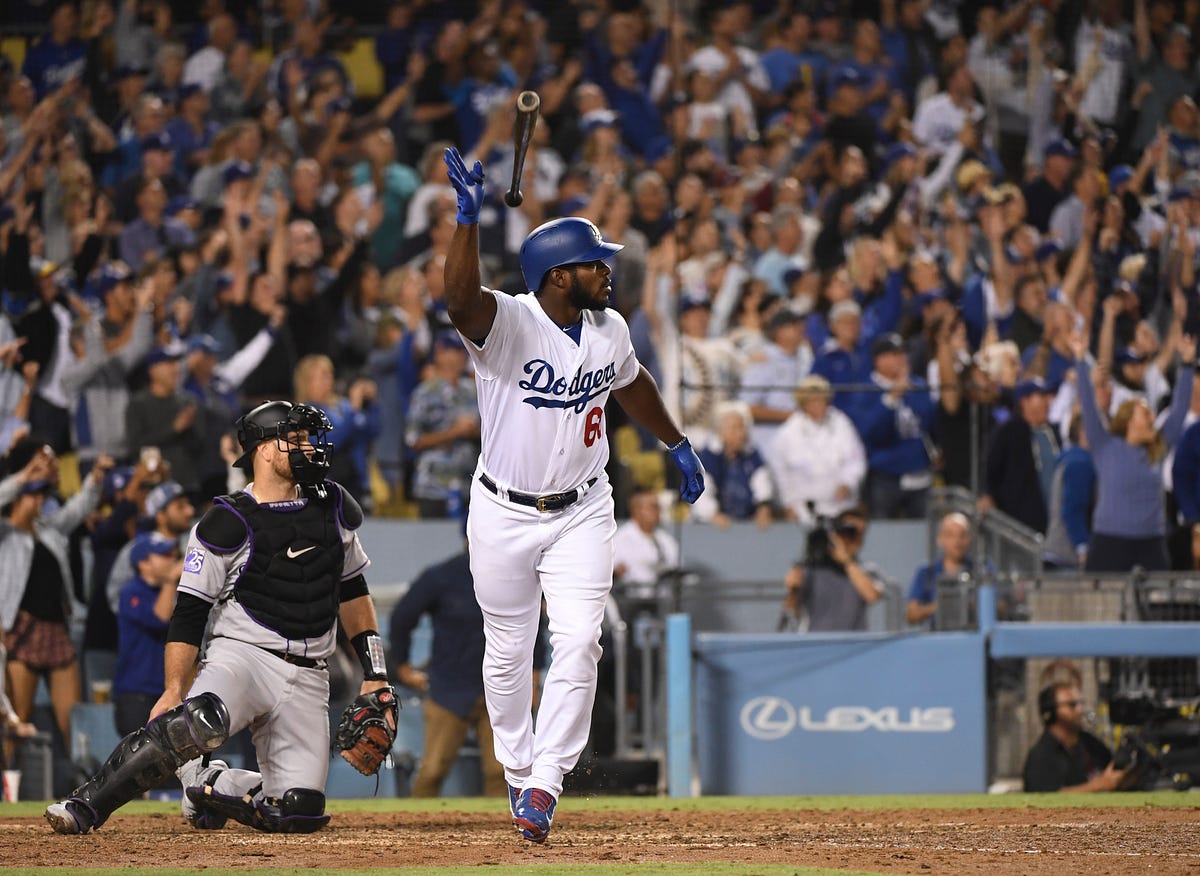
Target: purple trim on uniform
[356,571]
[220,550]
[249,538]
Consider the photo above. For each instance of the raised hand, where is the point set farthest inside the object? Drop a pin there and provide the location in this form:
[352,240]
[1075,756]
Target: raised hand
[468,186]
[1187,349]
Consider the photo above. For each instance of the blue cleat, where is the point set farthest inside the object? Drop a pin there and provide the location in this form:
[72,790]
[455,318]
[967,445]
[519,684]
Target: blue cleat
[514,794]
[534,813]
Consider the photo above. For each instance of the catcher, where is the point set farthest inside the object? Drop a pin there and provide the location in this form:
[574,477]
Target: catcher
[269,572]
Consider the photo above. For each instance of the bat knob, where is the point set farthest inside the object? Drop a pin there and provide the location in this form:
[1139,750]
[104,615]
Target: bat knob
[513,199]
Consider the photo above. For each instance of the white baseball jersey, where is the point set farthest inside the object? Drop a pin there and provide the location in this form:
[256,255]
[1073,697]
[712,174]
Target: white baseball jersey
[529,374]
[212,577]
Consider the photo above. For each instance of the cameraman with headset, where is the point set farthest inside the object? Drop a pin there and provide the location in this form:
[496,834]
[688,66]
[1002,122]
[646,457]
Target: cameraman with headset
[829,587]
[1066,757]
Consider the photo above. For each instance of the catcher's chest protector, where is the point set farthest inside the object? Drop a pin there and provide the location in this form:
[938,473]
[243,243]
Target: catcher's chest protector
[290,582]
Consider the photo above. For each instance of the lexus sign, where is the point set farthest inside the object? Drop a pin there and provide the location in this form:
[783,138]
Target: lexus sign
[769,718]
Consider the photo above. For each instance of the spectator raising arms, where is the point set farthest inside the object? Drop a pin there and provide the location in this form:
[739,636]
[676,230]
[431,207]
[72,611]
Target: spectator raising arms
[1129,527]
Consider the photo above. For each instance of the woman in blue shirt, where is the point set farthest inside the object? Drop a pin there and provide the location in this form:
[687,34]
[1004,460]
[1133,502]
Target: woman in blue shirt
[1129,525]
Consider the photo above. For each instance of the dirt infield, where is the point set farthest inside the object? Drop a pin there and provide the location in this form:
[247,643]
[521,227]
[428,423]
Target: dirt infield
[1033,841]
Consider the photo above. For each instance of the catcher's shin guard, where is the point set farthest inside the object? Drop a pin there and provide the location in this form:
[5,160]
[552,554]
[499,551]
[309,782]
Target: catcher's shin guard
[299,810]
[148,757]
[240,809]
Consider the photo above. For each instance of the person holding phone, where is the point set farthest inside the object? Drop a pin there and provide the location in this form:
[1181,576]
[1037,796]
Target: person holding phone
[163,416]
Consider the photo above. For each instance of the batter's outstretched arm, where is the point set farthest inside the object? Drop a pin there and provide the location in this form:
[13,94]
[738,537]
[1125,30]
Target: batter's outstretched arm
[644,404]
[471,309]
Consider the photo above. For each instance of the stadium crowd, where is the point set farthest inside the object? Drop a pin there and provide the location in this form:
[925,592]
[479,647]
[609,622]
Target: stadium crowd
[870,246]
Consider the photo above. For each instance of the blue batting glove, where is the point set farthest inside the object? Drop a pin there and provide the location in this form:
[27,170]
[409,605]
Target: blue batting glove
[468,186]
[693,472]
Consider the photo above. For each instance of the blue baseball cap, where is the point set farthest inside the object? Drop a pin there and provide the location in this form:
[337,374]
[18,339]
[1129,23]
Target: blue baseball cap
[147,544]
[160,497]
[1029,386]
[847,76]
[1060,147]
[205,344]
[1128,356]
[127,71]
[159,140]
[237,170]
[1118,176]
[179,203]
[929,296]
[1048,248]
[112,275]
[341,104]
[188,89]
[598,119]
[659,148]
[897,151]
[449,340]
[171,352]
[690,302]
[115,480]
[889,343]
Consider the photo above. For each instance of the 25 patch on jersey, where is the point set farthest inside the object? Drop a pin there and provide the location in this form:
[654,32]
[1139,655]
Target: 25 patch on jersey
[194,561]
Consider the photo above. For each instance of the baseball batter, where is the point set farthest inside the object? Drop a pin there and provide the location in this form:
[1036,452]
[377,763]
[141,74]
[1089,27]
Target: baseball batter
[269,571]
[541,517]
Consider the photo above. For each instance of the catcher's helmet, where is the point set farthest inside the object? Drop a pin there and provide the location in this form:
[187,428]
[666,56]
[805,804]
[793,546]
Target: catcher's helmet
[568,241]
[275,419]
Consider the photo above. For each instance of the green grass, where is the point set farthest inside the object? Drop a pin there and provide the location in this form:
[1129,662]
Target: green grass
[1164,799]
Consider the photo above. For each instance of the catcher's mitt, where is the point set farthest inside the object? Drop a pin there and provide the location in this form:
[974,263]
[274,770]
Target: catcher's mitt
[365,734]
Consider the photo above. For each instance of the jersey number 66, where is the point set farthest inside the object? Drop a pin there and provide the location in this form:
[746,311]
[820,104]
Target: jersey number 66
[593,426]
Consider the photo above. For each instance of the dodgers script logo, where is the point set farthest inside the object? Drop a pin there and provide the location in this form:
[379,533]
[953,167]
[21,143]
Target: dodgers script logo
[582,388]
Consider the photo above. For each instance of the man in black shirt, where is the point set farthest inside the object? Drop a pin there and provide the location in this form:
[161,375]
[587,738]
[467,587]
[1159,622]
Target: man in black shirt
[1066,757]
[454,683]
[1047,191]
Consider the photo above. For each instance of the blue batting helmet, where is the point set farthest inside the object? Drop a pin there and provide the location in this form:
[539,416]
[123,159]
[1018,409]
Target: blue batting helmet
[568,241]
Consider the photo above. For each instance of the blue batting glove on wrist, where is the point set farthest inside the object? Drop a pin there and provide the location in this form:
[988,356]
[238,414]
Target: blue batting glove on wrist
[693,472]
[468,186]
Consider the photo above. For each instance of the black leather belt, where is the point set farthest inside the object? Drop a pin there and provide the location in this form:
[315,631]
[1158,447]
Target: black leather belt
[296,659]
[549,502]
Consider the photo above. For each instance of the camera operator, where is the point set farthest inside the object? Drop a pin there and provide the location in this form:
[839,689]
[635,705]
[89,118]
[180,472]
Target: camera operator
[1066,757]
[829,587]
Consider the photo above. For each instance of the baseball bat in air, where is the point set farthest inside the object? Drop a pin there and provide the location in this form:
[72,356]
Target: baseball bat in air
[528,104]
